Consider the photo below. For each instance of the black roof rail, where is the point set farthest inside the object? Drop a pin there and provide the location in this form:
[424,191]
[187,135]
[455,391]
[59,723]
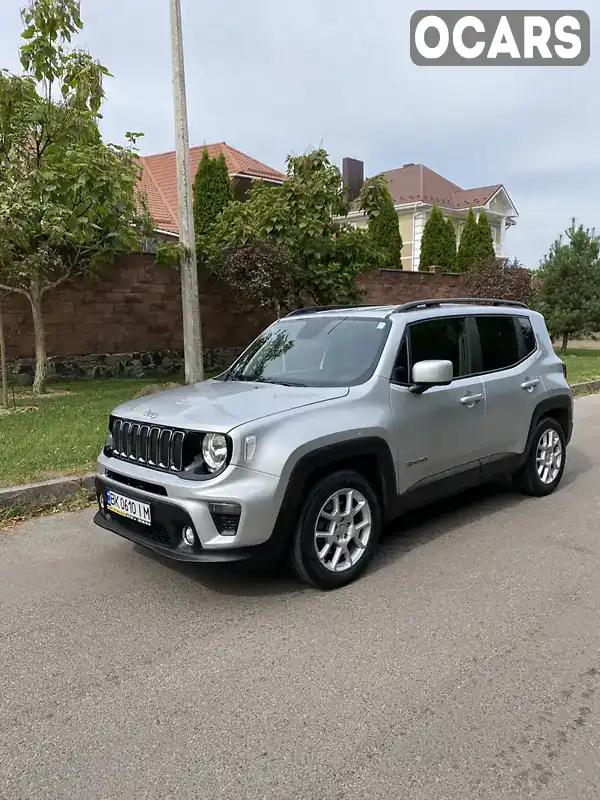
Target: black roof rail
[319,309]
[471,301]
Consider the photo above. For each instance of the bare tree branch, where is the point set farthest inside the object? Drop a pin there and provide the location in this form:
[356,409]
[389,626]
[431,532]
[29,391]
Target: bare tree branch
[54,284]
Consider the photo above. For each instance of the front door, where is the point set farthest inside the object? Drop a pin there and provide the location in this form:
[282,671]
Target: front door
[440,433]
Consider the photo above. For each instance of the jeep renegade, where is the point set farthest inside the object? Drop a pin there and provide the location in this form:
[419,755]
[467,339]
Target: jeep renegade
[331,423]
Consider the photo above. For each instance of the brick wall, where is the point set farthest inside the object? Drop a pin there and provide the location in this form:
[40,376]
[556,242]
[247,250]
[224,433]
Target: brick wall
[136,307]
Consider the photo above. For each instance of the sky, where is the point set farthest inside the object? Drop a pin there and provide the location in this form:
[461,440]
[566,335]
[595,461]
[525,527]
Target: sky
[272,78]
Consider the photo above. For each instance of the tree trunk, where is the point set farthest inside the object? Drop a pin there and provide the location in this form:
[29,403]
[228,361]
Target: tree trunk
[41,359]
[3,370]
[565,342]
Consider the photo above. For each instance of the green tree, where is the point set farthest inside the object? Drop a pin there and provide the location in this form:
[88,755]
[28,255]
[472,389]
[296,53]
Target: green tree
[438,245]
[303,218]
[212,191]
[377,203]
[469,251]
[67,199]
[486,251]
[569,281]
[451,245]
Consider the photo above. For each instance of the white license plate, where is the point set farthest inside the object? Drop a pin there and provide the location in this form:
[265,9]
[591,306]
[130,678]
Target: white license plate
[126,507]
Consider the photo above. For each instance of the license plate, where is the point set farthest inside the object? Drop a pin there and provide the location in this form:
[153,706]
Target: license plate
[126,507]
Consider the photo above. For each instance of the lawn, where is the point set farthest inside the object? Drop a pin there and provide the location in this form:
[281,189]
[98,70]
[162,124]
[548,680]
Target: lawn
[65,434]
[582,365]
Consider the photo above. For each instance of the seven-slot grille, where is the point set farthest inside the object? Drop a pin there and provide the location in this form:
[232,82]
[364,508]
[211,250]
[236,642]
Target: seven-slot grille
[152,445]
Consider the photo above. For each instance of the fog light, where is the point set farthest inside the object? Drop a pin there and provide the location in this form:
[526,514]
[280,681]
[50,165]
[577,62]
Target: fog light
[189,537]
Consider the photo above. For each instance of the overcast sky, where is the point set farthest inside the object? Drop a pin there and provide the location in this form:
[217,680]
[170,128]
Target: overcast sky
[271,77]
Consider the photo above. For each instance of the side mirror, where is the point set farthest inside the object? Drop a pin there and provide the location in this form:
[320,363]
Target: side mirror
[426,374]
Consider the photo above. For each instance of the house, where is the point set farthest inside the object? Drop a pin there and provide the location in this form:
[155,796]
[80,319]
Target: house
[415,189]
[159,181]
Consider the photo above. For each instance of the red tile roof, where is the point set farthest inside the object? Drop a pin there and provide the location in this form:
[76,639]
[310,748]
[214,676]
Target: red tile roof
[159,179]
[416,183]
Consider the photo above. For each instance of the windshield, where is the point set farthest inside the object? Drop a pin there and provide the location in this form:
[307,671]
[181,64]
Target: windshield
[313,351]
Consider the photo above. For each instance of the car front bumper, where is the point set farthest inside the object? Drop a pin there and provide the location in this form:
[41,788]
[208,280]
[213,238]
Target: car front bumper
[176,503]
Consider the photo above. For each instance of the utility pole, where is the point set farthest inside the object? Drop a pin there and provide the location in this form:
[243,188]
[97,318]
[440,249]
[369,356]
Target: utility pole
[190,300]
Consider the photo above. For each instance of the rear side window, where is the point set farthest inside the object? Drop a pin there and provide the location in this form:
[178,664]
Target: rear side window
[499,342]
[529,341]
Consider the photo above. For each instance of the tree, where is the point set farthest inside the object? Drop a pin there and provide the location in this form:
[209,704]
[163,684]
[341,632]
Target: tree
[212,191]
[260,273]
[303,216]
[569,279]
[451,244]
[438,245]
[508,280]
[67,199]
[469,251]
[486,250]
[377,203]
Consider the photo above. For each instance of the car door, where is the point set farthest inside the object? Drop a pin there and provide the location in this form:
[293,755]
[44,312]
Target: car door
[440,433]
[509,360]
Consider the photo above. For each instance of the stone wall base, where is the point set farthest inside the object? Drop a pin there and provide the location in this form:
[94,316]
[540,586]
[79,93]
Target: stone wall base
[152,364]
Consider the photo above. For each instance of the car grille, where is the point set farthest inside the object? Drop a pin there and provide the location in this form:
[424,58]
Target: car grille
[154,446]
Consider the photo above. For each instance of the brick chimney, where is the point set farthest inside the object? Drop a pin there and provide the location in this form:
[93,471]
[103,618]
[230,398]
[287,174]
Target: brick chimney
[353,173]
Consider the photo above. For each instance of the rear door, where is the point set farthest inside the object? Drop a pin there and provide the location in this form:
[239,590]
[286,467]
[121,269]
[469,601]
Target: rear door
[440,433]
[509,361]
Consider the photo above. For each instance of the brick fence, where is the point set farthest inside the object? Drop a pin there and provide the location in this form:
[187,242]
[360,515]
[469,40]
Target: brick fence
[135,309]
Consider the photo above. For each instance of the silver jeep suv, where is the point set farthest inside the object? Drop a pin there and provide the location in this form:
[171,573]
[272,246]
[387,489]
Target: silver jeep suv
[334,421]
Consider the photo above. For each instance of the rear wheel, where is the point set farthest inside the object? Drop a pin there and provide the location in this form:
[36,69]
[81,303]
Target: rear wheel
[338,531]
[543,469]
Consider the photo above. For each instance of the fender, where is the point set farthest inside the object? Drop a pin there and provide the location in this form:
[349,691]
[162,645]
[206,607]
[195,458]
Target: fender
[323,458]
[558,402]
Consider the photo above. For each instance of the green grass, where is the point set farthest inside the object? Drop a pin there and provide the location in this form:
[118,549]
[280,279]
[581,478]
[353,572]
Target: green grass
[582,365]
[65,434]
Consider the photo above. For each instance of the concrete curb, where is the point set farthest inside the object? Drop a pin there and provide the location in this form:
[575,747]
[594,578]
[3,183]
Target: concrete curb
[46,494]
[589,386]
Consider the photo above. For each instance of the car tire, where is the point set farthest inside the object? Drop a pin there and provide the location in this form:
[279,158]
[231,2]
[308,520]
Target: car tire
[537,478]
[342,532]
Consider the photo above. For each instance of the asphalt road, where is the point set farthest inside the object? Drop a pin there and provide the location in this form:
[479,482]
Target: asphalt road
[465,664]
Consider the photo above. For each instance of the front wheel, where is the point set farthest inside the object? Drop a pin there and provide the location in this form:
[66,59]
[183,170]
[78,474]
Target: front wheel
[338,531]
[543,469]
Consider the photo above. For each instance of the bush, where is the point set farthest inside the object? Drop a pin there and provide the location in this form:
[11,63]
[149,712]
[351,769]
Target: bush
[502,279]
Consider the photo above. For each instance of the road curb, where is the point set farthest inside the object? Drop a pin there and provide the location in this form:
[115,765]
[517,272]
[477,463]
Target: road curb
[589,386]
[48,493]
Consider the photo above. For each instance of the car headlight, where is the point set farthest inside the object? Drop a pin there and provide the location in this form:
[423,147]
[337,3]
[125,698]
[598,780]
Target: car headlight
[214,451]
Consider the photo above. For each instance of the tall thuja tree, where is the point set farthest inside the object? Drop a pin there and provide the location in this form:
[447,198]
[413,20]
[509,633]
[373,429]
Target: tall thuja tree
[451,245]
[212,191]
[377,203]
[486,250]
[438,244]
[469,249]
[67,199]
[569,284]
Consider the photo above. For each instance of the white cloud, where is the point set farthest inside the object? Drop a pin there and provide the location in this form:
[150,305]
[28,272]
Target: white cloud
[272,77]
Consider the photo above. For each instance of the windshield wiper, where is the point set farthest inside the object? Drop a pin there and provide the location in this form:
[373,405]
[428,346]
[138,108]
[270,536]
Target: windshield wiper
[277,382]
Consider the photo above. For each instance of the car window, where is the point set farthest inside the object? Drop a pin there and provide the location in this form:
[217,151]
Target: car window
[528,335]
[499,342]
[314,351]
[400,373]
[444,339]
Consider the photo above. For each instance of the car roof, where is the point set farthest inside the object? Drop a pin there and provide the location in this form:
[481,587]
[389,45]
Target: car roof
[421,309]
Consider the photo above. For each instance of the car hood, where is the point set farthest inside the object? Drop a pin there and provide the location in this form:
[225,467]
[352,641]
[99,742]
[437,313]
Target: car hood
[220,406]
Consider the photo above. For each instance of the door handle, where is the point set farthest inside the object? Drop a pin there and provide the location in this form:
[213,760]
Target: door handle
[470,400]
[529,385]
